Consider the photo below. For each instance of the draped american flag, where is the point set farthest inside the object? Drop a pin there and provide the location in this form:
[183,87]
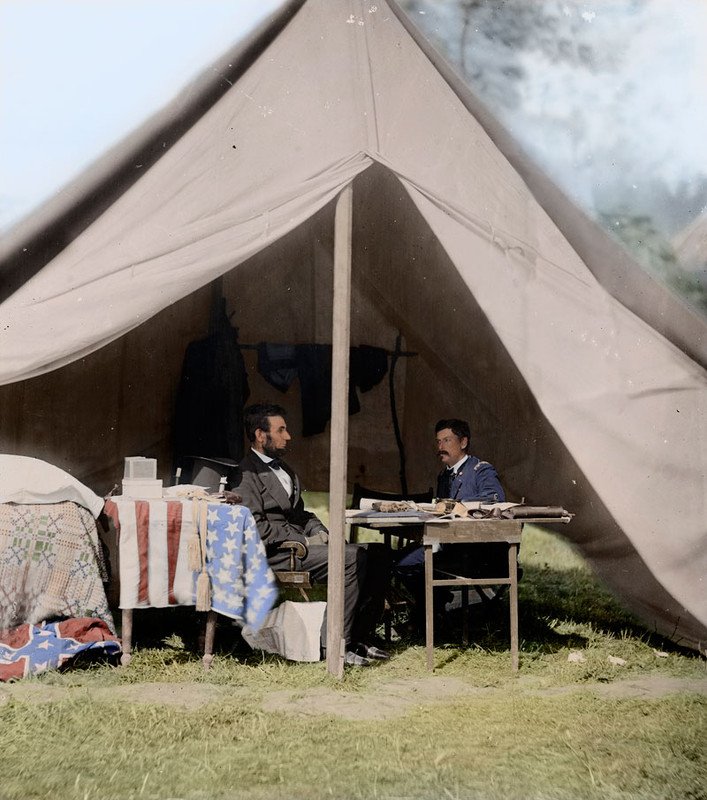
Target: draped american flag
[153,547]
[242,583]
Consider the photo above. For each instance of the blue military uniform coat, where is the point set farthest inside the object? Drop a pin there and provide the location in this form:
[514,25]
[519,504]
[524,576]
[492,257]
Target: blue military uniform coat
[474,480]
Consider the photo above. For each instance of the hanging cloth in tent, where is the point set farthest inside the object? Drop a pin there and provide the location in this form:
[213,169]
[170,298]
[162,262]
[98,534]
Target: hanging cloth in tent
[212,392]
[277,363]
[280,364]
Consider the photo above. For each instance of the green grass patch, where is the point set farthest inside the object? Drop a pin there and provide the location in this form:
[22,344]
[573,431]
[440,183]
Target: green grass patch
[555,730]
[573,746]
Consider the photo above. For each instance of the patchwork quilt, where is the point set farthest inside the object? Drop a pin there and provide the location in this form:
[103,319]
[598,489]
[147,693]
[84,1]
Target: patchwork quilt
[51,564]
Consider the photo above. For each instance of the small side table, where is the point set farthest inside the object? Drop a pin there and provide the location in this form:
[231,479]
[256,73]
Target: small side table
[154,569]
[463,531]
[127,638]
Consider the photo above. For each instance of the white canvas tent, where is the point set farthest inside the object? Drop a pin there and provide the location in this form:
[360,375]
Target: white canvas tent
[584,381]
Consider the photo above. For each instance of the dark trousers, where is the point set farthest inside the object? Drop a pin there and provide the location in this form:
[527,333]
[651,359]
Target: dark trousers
[366,577]
[469,560]
[374,590]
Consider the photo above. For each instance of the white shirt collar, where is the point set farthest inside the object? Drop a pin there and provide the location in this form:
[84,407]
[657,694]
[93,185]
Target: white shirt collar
[262,456]
[282,474]
[459,463]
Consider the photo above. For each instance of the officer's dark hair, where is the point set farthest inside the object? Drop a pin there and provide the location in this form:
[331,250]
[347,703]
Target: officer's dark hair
[458,427]
[258,416]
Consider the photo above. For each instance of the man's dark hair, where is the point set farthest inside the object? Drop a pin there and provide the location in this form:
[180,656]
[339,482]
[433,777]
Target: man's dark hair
[258,416]
[458,427]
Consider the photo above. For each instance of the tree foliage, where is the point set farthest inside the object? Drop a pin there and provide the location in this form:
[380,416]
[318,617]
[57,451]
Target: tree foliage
[563,76]
[488,39]
[656,254]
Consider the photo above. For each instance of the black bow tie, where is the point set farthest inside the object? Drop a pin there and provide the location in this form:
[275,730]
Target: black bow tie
[450,473]
[274,464]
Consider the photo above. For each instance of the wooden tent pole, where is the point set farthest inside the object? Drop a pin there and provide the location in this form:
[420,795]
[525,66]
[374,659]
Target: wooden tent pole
[341,332]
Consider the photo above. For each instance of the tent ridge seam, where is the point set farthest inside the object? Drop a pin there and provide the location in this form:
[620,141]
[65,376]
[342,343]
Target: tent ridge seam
[372,117]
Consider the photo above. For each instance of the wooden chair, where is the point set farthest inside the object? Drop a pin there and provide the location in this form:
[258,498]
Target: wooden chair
[285,579]
[294,578]
[359,492]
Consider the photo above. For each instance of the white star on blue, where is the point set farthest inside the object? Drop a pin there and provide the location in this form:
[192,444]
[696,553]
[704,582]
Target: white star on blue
[242,584]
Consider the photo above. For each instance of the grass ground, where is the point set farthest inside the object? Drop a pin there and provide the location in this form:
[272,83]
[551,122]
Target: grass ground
[259,727]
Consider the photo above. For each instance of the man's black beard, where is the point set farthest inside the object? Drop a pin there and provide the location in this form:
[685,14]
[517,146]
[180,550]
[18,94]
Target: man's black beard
[273,452]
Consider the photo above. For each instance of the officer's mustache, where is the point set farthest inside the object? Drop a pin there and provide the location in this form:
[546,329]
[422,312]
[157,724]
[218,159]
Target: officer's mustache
[442,453]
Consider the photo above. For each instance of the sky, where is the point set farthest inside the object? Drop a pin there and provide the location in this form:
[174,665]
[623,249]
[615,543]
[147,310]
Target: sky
[76,76]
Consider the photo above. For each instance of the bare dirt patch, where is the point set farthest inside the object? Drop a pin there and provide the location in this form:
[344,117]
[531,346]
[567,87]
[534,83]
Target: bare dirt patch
[388,700]
[652,687]
[384,701]
[396,698]
[183,696]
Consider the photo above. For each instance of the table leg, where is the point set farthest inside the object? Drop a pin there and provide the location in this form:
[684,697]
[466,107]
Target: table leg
[429,608]
[387,624]
[513,602]
[209,640]
[127,637]
[465,615]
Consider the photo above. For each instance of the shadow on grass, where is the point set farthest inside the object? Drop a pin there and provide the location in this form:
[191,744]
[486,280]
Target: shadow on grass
[179,633]
[575,598]
[557,609]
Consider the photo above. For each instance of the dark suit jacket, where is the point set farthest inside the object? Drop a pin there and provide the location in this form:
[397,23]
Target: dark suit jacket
[279,518]
[476,480]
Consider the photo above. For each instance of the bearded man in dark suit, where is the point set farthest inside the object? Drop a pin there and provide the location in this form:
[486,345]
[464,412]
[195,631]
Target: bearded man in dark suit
[272,491]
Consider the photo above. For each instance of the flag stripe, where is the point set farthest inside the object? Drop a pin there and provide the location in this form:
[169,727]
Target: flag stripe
[174,532]
[154,544]
[142,515]
[157,567]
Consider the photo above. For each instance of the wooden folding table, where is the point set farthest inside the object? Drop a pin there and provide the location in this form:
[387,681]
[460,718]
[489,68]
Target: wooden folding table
[465,531]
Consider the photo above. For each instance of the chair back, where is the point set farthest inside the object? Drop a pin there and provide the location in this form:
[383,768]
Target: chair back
[359,492]
[207,472]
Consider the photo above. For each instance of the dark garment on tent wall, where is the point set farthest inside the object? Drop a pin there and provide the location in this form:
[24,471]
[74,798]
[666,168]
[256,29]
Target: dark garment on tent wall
[212,392]
[280,364]
[277,363]
[368,366]
[314,373]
